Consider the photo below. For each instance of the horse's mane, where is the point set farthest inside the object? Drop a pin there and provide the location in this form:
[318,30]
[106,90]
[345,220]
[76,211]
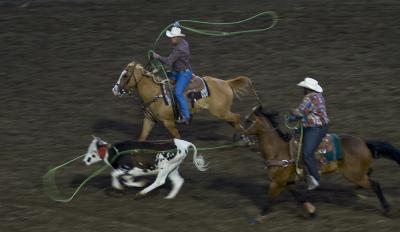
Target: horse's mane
[272,117]
[145,72]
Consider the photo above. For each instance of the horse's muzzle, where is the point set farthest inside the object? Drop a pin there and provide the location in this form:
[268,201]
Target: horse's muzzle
[117,90]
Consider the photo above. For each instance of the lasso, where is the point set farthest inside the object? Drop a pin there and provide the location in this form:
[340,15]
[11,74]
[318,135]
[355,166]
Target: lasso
[50,186]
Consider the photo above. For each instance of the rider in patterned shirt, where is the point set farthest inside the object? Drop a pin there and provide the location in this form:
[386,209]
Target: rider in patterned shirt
[312,112]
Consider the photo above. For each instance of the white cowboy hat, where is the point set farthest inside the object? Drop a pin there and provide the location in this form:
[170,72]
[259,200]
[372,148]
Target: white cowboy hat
[312,84]
[175,31]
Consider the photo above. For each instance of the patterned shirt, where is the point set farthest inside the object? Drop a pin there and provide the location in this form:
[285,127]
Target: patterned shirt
[312,110]
[179,59]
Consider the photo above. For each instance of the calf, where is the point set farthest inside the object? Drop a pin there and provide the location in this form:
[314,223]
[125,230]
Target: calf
[131,159]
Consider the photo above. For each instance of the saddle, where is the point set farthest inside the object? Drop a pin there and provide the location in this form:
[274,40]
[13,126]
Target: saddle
[329,149]
[196,89]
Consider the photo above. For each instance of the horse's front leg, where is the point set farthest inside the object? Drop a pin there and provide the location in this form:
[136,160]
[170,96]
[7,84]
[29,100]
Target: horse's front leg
[273,192]
[148,124]
[302,199]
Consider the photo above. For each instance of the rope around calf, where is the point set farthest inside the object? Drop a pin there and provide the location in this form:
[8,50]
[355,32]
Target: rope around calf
[50,187]
[49,180]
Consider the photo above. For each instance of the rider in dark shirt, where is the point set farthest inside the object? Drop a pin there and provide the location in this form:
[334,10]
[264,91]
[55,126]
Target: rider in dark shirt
[179,61]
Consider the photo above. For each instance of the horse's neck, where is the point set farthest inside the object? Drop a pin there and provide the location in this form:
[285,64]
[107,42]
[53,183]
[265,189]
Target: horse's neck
[147,89]
[271,144]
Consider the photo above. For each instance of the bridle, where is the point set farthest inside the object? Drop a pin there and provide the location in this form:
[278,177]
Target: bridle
[284,163]
[247,119]
[134,77]
[145,74]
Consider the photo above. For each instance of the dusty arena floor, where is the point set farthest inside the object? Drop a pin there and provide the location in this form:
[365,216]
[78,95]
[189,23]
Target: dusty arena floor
[59,60]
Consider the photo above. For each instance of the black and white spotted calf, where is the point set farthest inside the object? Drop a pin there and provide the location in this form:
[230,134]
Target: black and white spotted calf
[164,163]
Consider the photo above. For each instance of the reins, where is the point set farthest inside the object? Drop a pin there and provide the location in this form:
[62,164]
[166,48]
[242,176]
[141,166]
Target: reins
[286,162]
[296,127]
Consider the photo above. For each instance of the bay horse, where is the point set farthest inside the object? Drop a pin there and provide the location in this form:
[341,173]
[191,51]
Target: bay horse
[149,88]
[275,148]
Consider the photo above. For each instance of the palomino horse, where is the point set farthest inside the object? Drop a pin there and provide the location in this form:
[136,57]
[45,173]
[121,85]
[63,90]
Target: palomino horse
[355,165]
[134,76]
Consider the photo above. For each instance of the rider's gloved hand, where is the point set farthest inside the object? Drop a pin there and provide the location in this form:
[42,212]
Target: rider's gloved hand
[292,118]
[155,55]
[177,24]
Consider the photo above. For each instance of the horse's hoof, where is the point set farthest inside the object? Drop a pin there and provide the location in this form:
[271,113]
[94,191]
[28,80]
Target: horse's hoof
[313,215]
[258,220]
[254,221]
[386,211]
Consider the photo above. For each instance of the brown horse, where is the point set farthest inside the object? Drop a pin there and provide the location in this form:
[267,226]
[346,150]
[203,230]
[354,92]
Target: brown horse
[149,88]
[275,148]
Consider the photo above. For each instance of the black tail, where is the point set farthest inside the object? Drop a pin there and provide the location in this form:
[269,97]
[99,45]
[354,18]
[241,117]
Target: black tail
[383,149]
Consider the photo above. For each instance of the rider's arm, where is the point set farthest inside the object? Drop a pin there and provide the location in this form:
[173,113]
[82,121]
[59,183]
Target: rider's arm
[169,60]
[304,108]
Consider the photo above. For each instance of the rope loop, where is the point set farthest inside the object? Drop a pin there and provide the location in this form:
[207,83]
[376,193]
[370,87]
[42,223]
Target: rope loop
[50,186]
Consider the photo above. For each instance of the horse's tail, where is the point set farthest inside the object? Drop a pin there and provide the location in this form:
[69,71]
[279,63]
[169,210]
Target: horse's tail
[240,85]
[383,149]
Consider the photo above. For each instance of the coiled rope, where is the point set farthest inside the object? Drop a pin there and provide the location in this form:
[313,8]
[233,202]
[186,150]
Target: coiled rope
[187,24]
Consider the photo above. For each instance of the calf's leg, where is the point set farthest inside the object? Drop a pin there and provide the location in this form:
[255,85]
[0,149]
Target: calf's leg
[177,182]
[115,174]
[163,172]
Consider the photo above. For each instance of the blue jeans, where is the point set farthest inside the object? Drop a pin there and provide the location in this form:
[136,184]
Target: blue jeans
[182,80]
[312,138]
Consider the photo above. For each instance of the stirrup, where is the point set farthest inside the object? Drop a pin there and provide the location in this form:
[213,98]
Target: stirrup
[182,120]
[311,182]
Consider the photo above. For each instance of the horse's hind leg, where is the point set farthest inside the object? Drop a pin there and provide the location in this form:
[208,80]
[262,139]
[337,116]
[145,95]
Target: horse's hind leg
[366,182]
[171,127]
[233,120]
[376,187]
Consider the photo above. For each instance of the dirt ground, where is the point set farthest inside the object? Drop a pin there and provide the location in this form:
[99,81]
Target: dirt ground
[59,60]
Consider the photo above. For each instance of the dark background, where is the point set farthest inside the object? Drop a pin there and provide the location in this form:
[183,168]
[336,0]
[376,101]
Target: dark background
[60,59]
